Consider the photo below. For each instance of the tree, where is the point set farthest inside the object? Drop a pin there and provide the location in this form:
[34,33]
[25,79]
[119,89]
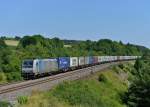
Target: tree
[138,94]
[17,38]
[138,66]
[2,44]
[31,40]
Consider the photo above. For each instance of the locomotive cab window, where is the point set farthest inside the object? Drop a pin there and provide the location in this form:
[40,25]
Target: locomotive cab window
[28,64]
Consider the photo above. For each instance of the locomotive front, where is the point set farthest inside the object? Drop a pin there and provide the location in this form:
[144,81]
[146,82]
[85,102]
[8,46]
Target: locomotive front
[27,69]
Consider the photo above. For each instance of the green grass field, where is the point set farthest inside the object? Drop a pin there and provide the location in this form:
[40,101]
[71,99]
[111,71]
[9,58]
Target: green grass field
[11,42]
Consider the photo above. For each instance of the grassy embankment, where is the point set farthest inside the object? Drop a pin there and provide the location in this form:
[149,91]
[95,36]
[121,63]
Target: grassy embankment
[100,90]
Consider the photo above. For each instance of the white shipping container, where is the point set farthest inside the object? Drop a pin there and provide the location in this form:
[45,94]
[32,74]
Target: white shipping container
[110,58]
[99,59]
[116,58]
[86,60]
[107,58]
[81,61]
[103,59]
[73,61]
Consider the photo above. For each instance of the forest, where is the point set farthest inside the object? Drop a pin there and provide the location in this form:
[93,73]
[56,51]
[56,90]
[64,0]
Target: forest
[37,46]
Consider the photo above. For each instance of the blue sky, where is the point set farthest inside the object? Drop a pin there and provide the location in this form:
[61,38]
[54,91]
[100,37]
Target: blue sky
[126,20]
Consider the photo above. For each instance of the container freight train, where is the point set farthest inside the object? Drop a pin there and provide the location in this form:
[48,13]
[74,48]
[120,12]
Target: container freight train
[32,68]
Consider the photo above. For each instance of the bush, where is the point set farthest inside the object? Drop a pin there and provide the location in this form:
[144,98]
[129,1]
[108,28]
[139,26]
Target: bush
[22,99]
[2,77]
[14,76]
[2,44]
[121,66]
[116,69]
[102,78]
[5,104]
[78,93]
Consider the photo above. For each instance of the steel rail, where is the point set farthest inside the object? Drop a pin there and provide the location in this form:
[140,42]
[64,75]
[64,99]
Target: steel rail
[11,83]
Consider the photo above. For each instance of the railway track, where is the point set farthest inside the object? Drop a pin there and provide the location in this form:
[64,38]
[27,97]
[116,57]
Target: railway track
[10,83]
[14,88]
[10,91]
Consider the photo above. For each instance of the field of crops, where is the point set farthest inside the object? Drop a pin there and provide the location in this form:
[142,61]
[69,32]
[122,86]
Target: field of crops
[11,42]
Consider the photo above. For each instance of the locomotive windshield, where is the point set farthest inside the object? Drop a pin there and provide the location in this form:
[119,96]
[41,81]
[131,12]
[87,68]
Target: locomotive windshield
[28,64]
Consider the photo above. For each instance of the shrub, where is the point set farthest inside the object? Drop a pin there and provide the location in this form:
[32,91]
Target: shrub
[78,93]
[2,44]
[2,77]
[121,66]
[5,104]
[22,99]
[102,78]
[14,76]
[116,69]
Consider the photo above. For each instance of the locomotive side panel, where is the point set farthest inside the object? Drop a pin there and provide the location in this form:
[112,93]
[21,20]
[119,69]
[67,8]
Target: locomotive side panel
[48,65]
